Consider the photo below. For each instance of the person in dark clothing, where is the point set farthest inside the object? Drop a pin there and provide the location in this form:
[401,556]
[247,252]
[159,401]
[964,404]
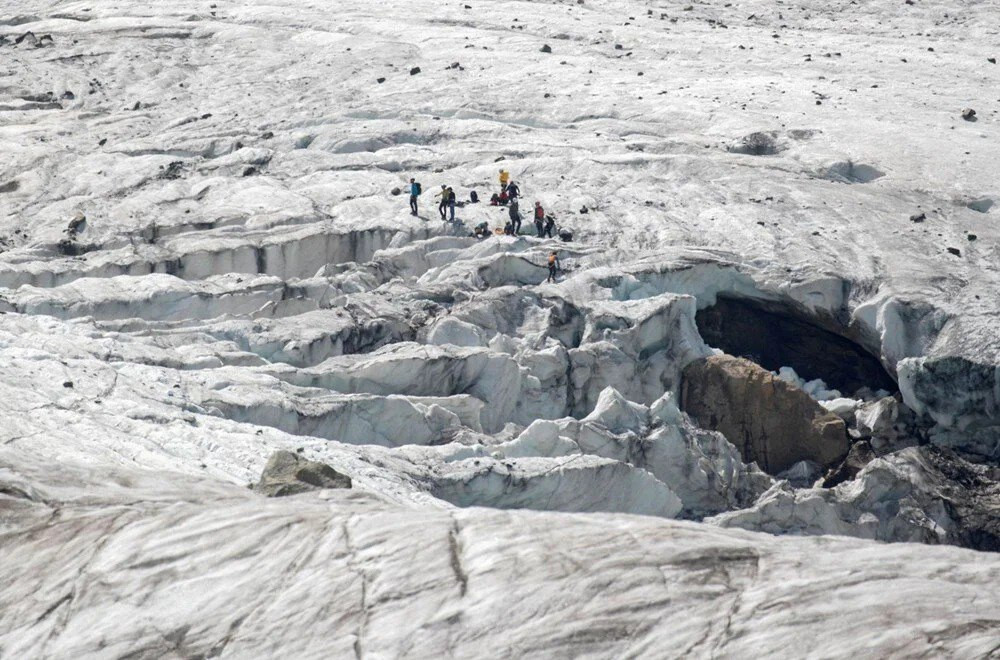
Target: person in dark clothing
[554,266]
[482,230]
[451,203]
[515,217]
[508,229]
[513,192]
[443,204]
[414,194]
[549,228]
[539,218]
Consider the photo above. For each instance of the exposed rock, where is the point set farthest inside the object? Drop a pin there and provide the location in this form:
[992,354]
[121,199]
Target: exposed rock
[919,494]
[290,474]
[969,114]
[77,224]
[546,48]
[756,144]
[770,421]
[860,455]
[918,217]
[28,38]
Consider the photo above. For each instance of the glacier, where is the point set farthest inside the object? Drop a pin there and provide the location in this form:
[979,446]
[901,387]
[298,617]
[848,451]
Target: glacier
[207,258]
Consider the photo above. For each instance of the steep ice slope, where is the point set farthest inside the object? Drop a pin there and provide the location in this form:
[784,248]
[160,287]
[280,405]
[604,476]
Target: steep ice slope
[202,261]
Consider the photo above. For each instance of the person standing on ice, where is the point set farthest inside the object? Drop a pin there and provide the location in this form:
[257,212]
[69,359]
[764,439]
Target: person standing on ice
[444,200]
[515,216]
[504,178]
[549,228]
[513,192]
[414,194]
[451,203]
[554,266]
[539,218]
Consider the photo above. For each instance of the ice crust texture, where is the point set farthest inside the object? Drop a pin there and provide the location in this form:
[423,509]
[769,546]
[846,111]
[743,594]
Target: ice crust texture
[202,263]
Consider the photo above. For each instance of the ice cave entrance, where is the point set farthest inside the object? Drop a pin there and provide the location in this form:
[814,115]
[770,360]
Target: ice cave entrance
[775,336]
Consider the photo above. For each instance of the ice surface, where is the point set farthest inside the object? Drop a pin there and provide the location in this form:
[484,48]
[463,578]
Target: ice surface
[202,261]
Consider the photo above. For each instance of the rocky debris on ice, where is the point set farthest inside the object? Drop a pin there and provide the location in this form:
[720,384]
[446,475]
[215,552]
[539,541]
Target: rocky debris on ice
[772,423]
[919,494]
[289,474]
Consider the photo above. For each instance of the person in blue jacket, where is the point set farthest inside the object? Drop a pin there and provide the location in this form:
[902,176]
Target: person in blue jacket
[414,194]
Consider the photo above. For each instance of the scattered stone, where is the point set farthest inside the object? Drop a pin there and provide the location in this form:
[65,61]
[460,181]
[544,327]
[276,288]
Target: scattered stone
[954,251]
[380,80]
[9,187]
[584,210]
[991,60]
[972,237]
[28,39]
[68,96]
[396,191]
[173,171]
[250,171]
[68,384]
[860,455]
[770,421]
[267,135]
[982,205]
[918,217]
[415,70]
[969,114]
[289,474]
[77,223]
[546,48]
[756,144]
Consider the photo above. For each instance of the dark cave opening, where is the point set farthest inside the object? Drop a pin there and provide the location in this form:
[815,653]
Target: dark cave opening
[775,338]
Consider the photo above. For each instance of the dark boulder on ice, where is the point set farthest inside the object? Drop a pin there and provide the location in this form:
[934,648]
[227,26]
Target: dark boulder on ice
[289,474]
[770,421]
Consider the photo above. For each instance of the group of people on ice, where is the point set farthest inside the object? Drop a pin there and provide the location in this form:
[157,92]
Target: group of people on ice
[509,196]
